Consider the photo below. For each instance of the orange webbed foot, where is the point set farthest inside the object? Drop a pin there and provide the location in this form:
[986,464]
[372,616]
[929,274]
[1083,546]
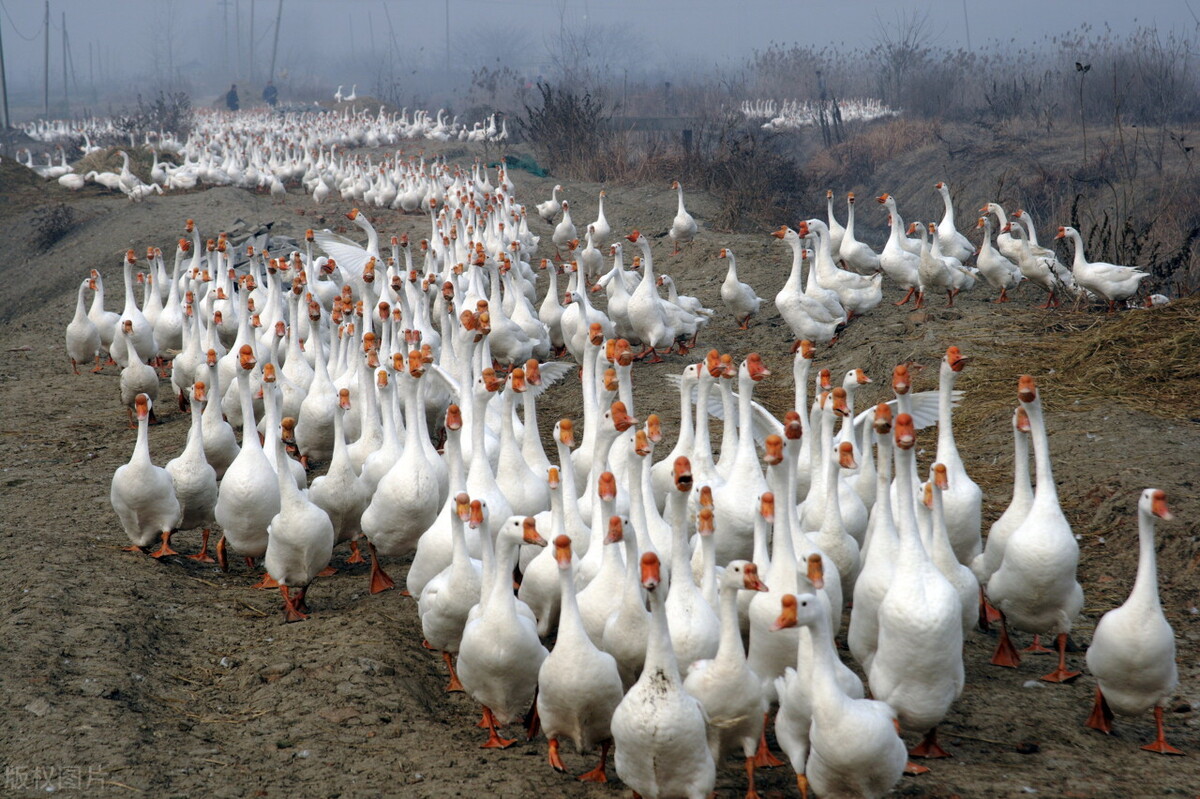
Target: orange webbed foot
[164,548]
[1101,716]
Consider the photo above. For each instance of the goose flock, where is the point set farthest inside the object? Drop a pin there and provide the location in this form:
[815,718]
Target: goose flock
[688,595]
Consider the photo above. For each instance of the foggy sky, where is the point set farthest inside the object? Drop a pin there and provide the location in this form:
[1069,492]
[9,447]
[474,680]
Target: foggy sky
[128,37]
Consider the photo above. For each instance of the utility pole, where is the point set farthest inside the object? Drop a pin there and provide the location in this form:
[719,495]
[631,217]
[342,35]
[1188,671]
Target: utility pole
[3,88]
[224,4]
[275,45]
[447,36]
[66,97]
[237,44]
[250,43]
[46,64]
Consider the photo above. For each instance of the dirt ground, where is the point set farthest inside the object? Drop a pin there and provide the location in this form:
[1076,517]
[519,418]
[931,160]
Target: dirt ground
[126,676]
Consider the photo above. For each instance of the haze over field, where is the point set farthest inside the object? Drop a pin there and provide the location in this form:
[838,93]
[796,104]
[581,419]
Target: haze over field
[120,47]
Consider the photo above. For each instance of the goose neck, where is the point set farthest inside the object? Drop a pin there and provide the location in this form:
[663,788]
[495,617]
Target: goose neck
[730,650]
[1145,586]
[660,655]
[1046,489]
[249,432]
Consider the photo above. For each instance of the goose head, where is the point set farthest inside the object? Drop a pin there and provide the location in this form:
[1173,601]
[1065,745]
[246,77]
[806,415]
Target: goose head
[1154,503]
[904,431]
[845,453]
[766,507]
[796,611]
[773,450]
[562,552]
[955,359]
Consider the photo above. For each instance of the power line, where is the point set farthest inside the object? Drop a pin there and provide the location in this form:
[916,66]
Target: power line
[14,25]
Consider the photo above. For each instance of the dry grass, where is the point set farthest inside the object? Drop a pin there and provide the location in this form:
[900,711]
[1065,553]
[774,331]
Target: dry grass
[855,160]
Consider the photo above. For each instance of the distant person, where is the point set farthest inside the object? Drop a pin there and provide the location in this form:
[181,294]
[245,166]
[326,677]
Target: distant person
[231,98]
[270,94]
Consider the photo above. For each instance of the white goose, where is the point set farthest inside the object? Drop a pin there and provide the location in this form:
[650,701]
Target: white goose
[137,377]
[142,494]
[953,243]
[809,318]
[194,479]
[683,226]
[854,254]
[730,692]
[836,231]
[579,686]
[299,544]
[857,293]
[942,553]
[445,601]
[1113,283]
[659,729]
[963,499]
[549,209]
[1133,649]
[738,297]
[852,747]
[408,499]
[340,492]
[986,563]
[735,516]
[248,497]
[695,629]
[601,229]
[918,665]
[83,337]
[500,654]
[1035,587]
[897,261]
[998,271]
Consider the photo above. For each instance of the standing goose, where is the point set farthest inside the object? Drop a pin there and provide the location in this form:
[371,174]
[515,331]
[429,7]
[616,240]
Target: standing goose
[550,208]
[729,691]
[340,492]
[941,552]
[601,229]
[579,686]
[1113,283]
[659,728]
[897,261]
[1133,649]
[299,542]
[142,494]
[853,746]
[738,297]
[137,376]
[248,497]
[918,665]
[985,564]
[963,500]
[447,598]
[83,337]
[954,244]
[854,254]
[500,653]
[683,227]
[998,271]
[836,231]
[1035,587]
[194,479]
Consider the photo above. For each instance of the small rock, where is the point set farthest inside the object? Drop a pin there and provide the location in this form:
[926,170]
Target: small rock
[225,663]
[274,671]
[1182,707]
[1032,684]
[38,707]
[1028,748]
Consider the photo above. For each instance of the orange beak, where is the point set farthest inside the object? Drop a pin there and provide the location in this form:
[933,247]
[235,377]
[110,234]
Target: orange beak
[651,573]
[1158,505]
[453,418]
[1026,389]
[751,582]
[616,530]
[939,476]
[766,507]
[905,433]
[621,418]
[683,473]
[955,359]
[607,486]
[755,366]
[562,551]
[1022,420]
[787,613]
[816,571]
[529,533]
[846,455]
[773,446]
[566,432]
